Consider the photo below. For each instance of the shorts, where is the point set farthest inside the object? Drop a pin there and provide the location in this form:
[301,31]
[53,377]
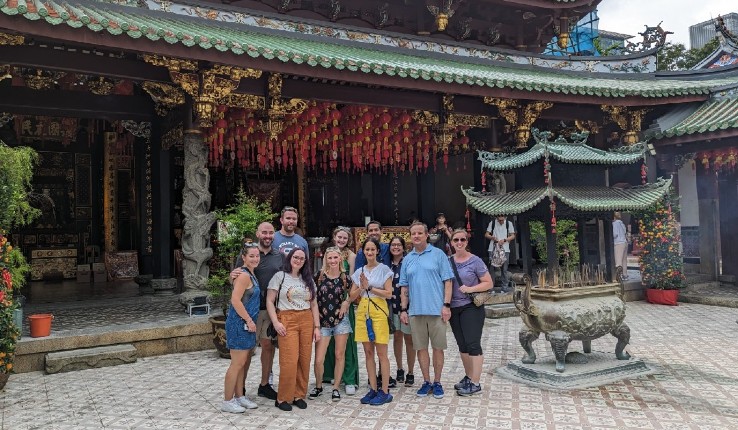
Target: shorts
[427,328]
[262,323]
[343,327]
[404,328]
[379,321]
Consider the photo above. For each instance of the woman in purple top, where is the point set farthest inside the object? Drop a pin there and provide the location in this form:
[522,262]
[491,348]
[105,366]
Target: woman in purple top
[467,319]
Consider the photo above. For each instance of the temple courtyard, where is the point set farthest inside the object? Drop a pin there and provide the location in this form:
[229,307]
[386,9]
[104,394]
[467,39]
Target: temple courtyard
[693,348]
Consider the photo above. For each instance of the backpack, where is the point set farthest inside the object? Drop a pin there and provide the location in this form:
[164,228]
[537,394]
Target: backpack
[499,256]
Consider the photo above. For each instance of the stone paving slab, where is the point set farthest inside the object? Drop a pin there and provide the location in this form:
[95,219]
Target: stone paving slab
[694,346]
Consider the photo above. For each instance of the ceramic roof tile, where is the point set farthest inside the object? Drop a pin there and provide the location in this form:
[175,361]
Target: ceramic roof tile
[137,23]
[713,115]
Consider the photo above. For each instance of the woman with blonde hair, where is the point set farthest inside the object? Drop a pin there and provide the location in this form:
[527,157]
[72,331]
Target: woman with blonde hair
[341,239]
[332,286]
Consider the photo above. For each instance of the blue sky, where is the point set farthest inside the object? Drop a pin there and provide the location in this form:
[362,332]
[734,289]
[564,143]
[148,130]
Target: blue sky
[631,16]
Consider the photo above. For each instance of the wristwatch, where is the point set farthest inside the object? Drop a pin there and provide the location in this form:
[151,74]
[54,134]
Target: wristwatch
[447,305]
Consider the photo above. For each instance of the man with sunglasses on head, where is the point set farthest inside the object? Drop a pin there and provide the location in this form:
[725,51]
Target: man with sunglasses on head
[286,239]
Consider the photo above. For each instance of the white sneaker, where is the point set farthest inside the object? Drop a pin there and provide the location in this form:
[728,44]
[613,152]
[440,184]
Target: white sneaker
[247,403]
[350,390]
[232,406]
[271,378]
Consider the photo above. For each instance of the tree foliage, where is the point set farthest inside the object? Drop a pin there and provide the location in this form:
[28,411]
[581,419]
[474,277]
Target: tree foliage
[675,56]
[16,172]
[661,261]
[567,245]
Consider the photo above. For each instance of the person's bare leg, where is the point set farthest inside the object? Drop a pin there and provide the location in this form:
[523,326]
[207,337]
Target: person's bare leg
[340,353]
[320,348]
[383,365]
[410,351]
[424,361]
[437,364]
[371,365]
[397,338]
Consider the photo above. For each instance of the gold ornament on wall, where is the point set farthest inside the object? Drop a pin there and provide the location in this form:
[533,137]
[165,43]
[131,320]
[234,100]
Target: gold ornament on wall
[520,116]
[628,119]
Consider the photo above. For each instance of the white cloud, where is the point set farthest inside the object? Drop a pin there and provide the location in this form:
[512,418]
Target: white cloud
[631,16]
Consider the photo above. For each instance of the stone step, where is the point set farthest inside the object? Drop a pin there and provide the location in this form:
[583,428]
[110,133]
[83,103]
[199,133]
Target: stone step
[90,358]
[502,310]
[707,299]
[698,278]
[727,279]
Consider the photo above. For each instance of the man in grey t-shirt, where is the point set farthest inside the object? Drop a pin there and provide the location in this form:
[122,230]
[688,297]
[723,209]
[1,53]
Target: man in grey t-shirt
[286,238]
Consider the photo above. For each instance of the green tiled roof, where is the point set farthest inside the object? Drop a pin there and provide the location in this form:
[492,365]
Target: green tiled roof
[316,51]
[584,199]
[576,152]
[713,115]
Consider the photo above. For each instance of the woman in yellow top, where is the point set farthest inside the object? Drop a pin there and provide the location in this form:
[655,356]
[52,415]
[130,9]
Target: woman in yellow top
[373,283]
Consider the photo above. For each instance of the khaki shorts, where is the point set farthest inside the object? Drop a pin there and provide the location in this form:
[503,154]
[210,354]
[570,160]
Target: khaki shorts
[261,324]
[428,328]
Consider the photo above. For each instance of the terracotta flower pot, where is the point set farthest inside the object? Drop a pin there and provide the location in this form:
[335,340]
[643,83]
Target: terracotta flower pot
[662,297]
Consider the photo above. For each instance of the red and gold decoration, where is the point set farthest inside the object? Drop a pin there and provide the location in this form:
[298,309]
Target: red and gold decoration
[719,159]
[661,261]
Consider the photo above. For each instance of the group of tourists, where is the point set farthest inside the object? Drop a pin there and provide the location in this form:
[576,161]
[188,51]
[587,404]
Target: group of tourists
[361,298]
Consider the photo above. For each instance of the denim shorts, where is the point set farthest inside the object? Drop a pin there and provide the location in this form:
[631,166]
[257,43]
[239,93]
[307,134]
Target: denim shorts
[343,327]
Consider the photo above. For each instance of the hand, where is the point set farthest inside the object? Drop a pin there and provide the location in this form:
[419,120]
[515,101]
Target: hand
[464,289]
[445,314]
[251,325]
[404,318]
[280,328]
[235,273]
[364,282]
[316,335]
[344,309]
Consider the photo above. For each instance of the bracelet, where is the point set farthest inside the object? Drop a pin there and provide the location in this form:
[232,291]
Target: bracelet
[317,326]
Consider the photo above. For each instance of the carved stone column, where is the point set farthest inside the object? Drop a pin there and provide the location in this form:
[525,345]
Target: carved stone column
[197,217]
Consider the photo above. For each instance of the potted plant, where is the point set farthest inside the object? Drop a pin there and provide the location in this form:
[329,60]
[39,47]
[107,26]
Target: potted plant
[661,261]
[235,222]
[16,172]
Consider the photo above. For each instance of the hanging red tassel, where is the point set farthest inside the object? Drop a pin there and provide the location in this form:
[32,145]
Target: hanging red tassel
[468,220]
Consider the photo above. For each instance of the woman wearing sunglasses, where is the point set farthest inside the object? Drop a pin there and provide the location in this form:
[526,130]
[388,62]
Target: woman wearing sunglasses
[467,319]
[241,331]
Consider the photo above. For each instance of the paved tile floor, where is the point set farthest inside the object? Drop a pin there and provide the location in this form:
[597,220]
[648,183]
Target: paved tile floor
[694,346]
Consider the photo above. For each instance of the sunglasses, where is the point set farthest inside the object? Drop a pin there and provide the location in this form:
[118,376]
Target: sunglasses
[332,249]
[459,239]
[247,245]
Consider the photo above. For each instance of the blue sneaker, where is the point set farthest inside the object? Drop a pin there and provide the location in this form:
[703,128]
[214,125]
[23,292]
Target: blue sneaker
[437,390]
[381,398]
[368,397]
[470,389]
[425,389]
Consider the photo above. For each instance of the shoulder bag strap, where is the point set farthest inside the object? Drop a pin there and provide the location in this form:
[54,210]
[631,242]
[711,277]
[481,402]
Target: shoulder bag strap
[456,271]
[279,291]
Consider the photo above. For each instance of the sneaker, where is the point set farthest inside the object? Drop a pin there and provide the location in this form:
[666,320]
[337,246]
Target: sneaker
[392,383]
[437,390]
[267,391]
[247,403]
[315,393]
[350,390]
[381,398]
[400,376]
[336,395]
[425,389]
[461,384]
[300,403]
[409,380]
[368,397]
[470,389]
[283,406]
[232,406]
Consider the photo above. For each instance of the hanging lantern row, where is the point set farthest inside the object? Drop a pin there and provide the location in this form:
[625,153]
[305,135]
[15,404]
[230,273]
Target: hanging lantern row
[722,159]
[331,138]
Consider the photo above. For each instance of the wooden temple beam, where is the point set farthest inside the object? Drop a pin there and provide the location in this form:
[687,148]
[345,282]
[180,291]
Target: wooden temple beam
[76,104]
[105,40]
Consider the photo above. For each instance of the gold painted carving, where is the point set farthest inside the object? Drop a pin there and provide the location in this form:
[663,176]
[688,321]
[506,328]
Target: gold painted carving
[38,79]
[445,124]
[244,101]
[165,96]
[273,119]
[11,39]
[586,125]
[6,72]
[629,120]
[443,13]
[519,115]
[173,64]
[101,86]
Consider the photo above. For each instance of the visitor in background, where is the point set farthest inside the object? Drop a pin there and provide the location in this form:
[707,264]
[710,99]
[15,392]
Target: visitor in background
[374,231]
[467,319]
[425,280]
[402,331]
[293,310]
[501,232]
[443,231]
[286,239]
[333,286]
[373,283]
[341,238]
[620,242]
[241,332]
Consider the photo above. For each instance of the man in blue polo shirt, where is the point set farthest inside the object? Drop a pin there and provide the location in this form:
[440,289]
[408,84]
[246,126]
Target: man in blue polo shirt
[425,279]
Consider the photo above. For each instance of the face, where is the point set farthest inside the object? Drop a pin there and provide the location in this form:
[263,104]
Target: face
[333,259]
[501,219]
[298,259]
[341,239]
[289,221]
[374,231]
[441,220]
[265,235]
[370,251]
[251,257]
[459,241]
[418,235]
[396,247]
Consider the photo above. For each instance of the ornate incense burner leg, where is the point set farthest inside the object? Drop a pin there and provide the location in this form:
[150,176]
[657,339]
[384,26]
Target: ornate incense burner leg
[559,343]
[623,335]
[587,346]
[527,337]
